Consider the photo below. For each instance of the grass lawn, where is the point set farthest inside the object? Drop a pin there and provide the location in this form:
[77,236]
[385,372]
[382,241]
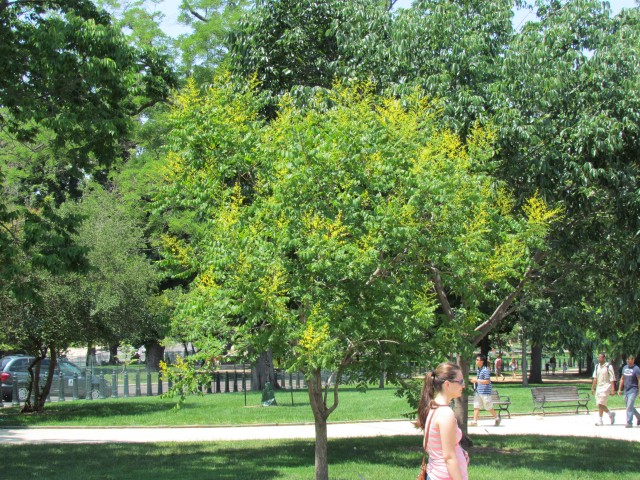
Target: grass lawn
[216,409]
[398,458]
[230,409]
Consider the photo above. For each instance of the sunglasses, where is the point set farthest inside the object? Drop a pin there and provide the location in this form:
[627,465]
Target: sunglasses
[459,382]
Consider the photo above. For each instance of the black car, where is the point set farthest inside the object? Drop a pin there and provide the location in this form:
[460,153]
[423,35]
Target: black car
[15,366]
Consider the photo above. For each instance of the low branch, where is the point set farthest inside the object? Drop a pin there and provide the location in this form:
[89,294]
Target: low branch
[506,307]
[442,295]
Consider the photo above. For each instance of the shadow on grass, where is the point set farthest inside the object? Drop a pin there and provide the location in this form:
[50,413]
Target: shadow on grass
[368,458]
[79,411]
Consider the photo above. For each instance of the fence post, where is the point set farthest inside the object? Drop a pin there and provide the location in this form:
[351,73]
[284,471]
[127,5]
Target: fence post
[226,382]
[88,384]
[61,387]
[138,387]
[76,393]
[15,401]
[217,382]
[159,383]
[235,379]
[125,391]
[114,384]
[149,386]
[102,387]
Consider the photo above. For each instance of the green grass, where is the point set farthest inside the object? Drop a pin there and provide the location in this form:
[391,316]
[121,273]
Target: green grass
[217,409]
[229,409]
[398,458]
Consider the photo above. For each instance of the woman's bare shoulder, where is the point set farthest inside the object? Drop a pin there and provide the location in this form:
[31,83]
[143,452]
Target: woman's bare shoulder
[446,413]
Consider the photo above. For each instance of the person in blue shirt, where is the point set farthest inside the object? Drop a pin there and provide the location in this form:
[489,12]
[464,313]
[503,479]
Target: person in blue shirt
[482,386]
[629,380]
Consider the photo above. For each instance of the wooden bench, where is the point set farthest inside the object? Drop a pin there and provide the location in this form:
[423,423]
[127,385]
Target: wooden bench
[557,397]
[500,404]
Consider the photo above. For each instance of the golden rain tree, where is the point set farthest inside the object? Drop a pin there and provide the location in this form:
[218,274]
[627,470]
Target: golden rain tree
[338,234]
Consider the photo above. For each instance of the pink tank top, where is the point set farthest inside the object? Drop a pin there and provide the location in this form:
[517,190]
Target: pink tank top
[437,468]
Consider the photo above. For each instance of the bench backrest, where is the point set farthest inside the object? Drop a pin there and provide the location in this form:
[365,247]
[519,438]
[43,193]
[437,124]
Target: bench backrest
[550,394]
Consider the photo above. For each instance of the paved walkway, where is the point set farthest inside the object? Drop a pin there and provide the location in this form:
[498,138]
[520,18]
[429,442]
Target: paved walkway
[559,425]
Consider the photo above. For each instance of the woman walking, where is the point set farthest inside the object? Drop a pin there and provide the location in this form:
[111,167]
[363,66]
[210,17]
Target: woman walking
[447,459]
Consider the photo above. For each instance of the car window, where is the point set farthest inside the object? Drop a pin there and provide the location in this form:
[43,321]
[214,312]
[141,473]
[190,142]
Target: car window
[19,365]
[69,368]
[5,360]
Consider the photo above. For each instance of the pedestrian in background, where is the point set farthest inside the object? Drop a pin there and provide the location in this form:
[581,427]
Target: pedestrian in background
[629,380]
[482,397]
[499,367]
[604,379]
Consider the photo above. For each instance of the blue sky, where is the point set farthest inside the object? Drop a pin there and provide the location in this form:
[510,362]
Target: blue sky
[171,26]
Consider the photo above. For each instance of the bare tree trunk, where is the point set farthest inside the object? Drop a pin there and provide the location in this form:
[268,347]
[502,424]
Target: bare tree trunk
[154,353]
[91,355]
[320,415]
[39,395]
[113,353]
[535,373]
[461,405]
[590,365]
[263,371]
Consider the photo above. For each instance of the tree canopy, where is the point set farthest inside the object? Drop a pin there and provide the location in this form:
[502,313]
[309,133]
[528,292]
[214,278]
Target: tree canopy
[326,230]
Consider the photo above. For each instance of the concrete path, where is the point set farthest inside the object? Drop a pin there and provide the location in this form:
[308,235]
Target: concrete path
[559,425]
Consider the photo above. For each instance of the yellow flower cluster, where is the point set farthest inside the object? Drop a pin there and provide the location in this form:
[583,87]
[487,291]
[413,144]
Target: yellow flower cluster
[314,336]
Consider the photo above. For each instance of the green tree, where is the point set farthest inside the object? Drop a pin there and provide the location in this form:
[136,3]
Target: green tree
[70,88]
[570,129]
[335,235]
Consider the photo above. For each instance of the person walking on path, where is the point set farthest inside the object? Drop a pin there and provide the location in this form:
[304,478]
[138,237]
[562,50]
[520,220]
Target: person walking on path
[629,380]
[447,459]
[499,367]
[514,366]
[482,397]
[604,382]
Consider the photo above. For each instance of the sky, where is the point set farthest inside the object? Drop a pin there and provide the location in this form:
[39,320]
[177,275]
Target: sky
[173,28]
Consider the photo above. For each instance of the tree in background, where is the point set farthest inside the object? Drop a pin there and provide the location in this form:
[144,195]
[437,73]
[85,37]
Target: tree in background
[70,88]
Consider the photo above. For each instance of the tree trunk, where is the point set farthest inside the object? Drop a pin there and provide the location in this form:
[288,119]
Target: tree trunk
[39,395]
[91,359]
[263,371]
[154,353]
[461,405]
[113,353]
[485,346]
[590,365]
[320,415]
[525,366]
[535,375]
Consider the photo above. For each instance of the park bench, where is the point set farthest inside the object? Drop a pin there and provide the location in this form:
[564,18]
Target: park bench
[557,397]
[500,404]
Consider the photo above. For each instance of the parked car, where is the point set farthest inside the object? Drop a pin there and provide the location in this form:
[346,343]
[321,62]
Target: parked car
[14,367]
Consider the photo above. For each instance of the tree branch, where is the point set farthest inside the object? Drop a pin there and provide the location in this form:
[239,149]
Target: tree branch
[506,307]
[442,295]
[196,14]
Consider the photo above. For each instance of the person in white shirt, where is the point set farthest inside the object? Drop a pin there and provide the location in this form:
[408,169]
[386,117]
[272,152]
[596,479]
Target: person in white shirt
[604,384]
